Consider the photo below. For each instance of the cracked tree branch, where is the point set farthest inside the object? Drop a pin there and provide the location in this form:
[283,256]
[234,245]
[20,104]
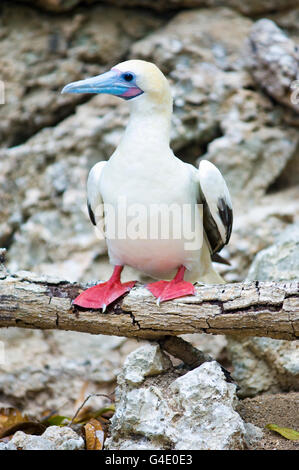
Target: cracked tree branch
[245,309]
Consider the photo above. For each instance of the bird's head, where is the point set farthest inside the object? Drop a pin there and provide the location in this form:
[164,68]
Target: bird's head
[134,80]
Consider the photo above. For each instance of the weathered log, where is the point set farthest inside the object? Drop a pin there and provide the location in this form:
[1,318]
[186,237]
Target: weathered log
[258,309]
[245,309]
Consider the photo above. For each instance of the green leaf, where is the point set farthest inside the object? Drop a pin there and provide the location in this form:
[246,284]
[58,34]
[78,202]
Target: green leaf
[288,433]
[57,420]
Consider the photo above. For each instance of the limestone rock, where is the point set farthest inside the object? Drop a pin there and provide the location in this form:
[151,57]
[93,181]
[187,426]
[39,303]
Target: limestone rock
[205,393]
[253,434]
[265,364]
[279,261]
[39,56]
[145,362]
[175,411]
[251,153]
[198,36]
[273,61]
[256,229]
[48,370]
[288,21]
[54,438]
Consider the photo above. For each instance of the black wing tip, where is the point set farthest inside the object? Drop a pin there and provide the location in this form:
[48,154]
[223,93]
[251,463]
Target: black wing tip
[91,214]
[226,216]
[219,259]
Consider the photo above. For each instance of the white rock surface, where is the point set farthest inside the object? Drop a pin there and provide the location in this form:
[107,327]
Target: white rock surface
[54,438]
[143,362]
[169,411]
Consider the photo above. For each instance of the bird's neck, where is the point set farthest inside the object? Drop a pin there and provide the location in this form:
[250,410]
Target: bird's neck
[148,130]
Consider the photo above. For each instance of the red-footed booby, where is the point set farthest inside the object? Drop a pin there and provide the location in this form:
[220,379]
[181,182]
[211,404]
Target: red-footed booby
[143,170]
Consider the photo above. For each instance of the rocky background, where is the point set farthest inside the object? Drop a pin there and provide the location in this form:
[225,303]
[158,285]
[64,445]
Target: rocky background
[234,72]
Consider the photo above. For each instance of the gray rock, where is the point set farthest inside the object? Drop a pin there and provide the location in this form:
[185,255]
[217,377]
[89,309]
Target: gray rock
[206,402]
[54,438]
[273,60]
[251,154]
[45,370]
[266,364]
[280,261]
[68,48]
[258,228]
[202,37]
[145,362]
[169,411]
[288,20]
[253,434]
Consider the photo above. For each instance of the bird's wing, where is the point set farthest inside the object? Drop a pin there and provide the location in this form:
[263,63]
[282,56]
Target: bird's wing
[94,198]
[217,206]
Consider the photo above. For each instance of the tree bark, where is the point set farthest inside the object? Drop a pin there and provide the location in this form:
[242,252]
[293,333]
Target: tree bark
[268,309]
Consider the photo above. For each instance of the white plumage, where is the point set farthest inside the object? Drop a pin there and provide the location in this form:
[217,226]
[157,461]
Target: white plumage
[143,170]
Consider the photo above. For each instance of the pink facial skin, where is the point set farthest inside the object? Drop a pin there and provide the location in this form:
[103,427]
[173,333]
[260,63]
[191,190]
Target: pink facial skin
[132,91]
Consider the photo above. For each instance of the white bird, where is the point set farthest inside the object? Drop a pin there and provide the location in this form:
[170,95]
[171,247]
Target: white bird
[144,172]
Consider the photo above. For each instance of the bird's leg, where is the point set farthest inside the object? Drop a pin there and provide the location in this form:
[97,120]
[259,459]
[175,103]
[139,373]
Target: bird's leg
[101,295]
[167,290]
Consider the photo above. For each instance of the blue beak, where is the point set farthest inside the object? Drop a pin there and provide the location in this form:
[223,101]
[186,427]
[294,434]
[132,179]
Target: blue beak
[110,83]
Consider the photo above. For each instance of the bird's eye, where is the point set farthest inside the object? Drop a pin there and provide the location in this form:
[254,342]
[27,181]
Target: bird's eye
[128,76]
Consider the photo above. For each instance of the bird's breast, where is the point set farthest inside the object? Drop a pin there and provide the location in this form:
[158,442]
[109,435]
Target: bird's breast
[151,217]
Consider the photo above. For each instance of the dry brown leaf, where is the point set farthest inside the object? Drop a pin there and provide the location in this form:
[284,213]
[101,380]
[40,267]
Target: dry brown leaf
[10,417]
[94,435]
[12,420]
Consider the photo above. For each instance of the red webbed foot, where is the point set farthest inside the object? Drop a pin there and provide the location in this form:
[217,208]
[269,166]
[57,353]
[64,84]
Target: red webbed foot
[168,290]
[102,295]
